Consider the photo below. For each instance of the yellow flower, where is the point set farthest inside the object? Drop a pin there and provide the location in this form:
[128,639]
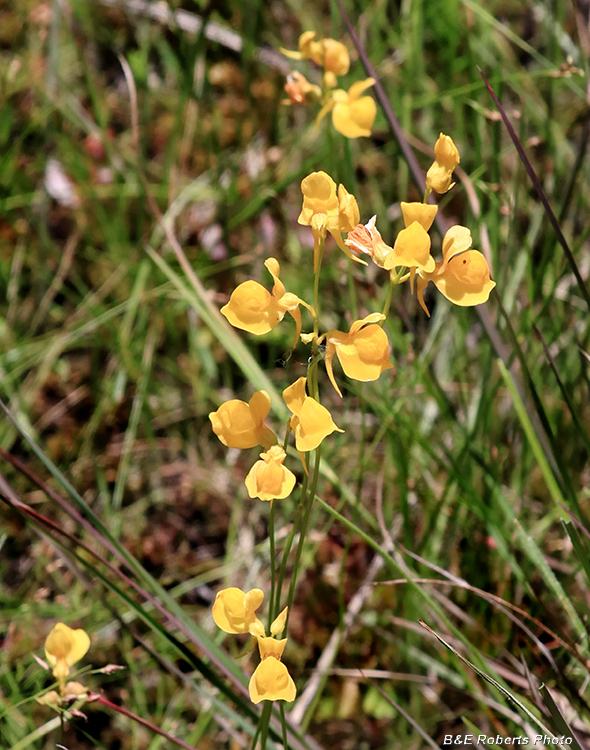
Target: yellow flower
[412,249]
[240,425]
[252,308]
[235,611]
[311,422]
[446,158]
[271,680]
[463,275]
[328,53]
[300,90]
[64,647]
[324,211]
[269,479]
[363,352]
[353,115]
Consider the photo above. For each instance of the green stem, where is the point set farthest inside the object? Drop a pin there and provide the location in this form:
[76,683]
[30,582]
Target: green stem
[307,510]
[284,725]
[288,545]
[394,280]
[263,724]
[271,534]
[319,254]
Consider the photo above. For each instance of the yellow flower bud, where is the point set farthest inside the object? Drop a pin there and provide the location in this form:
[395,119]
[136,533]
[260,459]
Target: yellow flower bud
[363,352]
[446,153]
[235,611]
[240,425]
[278,624]
[269,479]
[64,647]
[440,174]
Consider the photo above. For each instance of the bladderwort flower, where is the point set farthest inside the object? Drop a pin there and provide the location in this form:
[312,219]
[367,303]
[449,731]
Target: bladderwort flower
[235,611]
[311,422]
[440,174]
[271,680]
[241,425]
[463,275]
[300,90]
[324,212]
[253,308]
[363,352]
[63,648]
[268,479]
[329,54]
[353,115]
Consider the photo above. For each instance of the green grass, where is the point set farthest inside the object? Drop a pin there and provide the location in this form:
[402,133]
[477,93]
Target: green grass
[472,454]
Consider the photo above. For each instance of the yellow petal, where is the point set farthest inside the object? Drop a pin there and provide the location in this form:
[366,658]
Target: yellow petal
[421,285]
[295,395]
[355,119]
[315,423]
[278,624]
[348,210]
[81,644]
[271,646]
[446,153]
[335,57]
[240,425]
[271,681]
[319,196]
[359,87]
[423,213]
[234,611]
[364,355]
[456,240]
[439,178]
[466,279]
[252,308]
[412,249]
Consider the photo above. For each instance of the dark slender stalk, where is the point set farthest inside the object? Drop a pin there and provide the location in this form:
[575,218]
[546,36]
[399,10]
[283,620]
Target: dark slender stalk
[540,192]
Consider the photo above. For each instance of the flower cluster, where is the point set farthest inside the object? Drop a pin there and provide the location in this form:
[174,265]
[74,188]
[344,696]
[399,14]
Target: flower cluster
[235,612]
[463,275]
[353,114]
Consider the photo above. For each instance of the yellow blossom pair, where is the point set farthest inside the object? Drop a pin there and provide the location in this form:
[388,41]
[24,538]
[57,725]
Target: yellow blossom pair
[463,275]
[235,612]
[353,115]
